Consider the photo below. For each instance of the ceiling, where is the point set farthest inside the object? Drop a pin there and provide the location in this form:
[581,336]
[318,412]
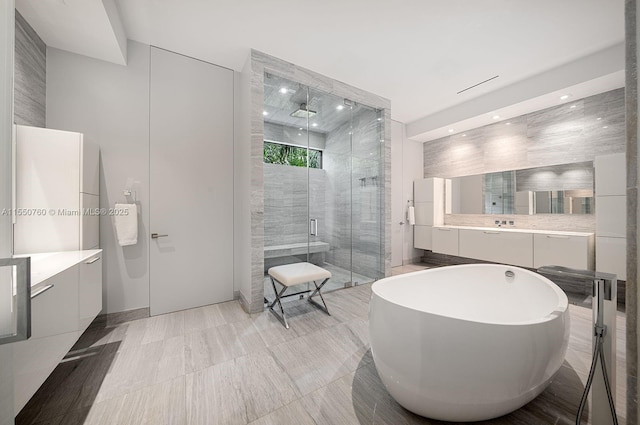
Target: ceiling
[417,53]
[87,27]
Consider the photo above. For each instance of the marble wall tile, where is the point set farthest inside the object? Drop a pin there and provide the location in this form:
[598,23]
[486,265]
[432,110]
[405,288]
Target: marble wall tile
[30,75]
[552,136]
[577,222]
[557,135]
[504,144]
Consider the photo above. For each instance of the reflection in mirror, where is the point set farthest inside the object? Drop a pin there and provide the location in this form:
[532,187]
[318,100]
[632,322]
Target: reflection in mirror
[558,189]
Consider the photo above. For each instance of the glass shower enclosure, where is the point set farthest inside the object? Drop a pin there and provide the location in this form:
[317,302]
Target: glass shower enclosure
[323,183]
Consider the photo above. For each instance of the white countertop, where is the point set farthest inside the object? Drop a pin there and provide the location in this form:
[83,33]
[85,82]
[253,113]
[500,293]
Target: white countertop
[47,264]
[518,230]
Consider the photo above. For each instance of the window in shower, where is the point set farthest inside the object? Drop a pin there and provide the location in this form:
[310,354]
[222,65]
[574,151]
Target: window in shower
[284,154]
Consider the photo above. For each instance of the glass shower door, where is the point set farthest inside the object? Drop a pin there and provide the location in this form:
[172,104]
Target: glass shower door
[286,175]
[323,183]
[330,188]
[367,193]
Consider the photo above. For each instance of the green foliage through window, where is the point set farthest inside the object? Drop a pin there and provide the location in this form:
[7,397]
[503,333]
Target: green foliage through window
[276,153]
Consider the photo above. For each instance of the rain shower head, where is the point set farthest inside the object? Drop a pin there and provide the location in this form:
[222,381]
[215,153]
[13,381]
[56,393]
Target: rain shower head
[303,112]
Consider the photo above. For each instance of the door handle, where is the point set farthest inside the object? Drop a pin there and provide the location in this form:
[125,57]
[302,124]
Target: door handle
[313,227]
[156,236]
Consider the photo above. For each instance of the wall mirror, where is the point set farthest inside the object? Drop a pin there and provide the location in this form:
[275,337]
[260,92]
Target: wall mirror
[557,189]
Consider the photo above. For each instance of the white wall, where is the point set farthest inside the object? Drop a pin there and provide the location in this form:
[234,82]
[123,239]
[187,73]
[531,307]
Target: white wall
[406,166]
[110,104]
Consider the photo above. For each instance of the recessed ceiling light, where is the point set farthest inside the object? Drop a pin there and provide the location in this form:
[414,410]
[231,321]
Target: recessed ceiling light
[299,134]
[315,124]
[564,97]
[606,126]
[573,106]
[379,119]
[508,123]
[464,135]
[265,113]
[599,118]
[284,90]
[496,117]
[451,130]
[300,128]
[340,107]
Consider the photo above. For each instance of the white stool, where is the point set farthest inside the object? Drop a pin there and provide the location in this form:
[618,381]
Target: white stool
[295,274]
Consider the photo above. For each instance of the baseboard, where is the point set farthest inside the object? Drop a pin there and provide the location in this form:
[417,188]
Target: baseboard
[111,319]
[409,261]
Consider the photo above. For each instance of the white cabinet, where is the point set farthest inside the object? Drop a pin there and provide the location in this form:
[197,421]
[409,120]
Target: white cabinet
[611,177]
[428,195]
[422,237]
[611,255]
[54,330]
[563,250]
[497,246]
[66,297]
[89,291]
[445,240]
[611,214]
[53,170]
[525,248]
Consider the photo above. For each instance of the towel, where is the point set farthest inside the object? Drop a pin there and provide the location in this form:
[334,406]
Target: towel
[411,215]
[126,224]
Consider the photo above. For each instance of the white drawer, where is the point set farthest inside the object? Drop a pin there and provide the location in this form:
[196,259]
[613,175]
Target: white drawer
[444,240]
[497,246]
[55,311]
[90,291]
[563,250]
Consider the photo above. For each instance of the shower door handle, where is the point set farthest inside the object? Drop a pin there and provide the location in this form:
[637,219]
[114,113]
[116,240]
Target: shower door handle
[313,227]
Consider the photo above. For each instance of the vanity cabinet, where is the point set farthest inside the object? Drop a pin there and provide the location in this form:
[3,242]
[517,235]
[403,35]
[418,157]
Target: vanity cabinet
[563,250]
[66,297]
[445,240]
[54,330]
[519,247]
[497,246]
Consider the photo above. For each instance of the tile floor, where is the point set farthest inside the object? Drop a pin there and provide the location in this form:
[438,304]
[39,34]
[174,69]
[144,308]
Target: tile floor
[218,365]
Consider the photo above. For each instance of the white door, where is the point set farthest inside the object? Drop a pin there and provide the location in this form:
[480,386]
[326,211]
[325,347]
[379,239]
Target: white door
[397,207]
[191,179]
[6,121]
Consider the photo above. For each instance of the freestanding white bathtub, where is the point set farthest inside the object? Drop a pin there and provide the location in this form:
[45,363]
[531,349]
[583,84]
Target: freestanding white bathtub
[467,343]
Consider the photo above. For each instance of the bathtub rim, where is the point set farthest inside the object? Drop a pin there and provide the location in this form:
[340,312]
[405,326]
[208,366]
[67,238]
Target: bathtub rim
[560,309]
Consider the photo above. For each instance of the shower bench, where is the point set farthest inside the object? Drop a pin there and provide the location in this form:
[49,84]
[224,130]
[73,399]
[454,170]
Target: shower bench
[275,255]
